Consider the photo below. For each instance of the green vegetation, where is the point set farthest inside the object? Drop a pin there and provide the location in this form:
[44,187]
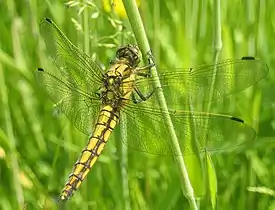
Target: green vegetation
[39,145]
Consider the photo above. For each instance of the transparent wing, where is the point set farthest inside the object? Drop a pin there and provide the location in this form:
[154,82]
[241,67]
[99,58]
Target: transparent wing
[72,84]
[71,62]
[231,76]
[79,106]
[196,131]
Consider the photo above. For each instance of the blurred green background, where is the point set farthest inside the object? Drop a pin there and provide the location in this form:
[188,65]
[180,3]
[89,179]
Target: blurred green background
[38,145]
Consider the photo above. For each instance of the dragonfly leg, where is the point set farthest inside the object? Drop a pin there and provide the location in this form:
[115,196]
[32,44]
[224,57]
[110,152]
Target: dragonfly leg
[150,57]
[146,74]
[142,97]
[140,70]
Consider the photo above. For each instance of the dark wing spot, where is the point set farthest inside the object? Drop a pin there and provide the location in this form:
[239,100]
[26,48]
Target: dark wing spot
[248,58]
[40,69]
[237,119]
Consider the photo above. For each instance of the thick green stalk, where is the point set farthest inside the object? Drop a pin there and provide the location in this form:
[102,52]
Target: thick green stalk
[140,35]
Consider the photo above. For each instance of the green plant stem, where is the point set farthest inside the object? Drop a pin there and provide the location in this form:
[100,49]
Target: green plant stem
[140,35]
[217,41]
[124,163]
[217,46]
[86,37]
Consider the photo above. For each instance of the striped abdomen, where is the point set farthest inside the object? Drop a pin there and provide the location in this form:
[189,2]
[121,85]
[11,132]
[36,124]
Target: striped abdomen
[107,120]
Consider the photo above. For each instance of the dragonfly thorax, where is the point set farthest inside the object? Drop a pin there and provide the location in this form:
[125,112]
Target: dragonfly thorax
[111,93]
[118,84]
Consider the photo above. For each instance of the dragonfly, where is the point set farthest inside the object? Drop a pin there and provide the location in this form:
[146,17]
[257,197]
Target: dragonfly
[94,100]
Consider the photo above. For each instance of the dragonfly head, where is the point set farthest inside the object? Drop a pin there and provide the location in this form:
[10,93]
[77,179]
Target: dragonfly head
[130,53]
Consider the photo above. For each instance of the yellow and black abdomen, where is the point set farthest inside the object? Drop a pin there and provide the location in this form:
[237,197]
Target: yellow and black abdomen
[107,120]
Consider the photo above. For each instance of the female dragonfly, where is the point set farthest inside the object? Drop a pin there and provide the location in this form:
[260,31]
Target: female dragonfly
[94,99]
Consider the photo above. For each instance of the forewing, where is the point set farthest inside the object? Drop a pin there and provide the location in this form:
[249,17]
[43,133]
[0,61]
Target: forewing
[72,64]
[74,80]
[231,76]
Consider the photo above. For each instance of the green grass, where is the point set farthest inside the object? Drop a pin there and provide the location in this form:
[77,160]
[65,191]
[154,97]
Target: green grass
[38,146]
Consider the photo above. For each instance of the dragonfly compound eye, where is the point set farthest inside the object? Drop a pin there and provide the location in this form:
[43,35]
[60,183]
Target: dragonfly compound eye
[129,53]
